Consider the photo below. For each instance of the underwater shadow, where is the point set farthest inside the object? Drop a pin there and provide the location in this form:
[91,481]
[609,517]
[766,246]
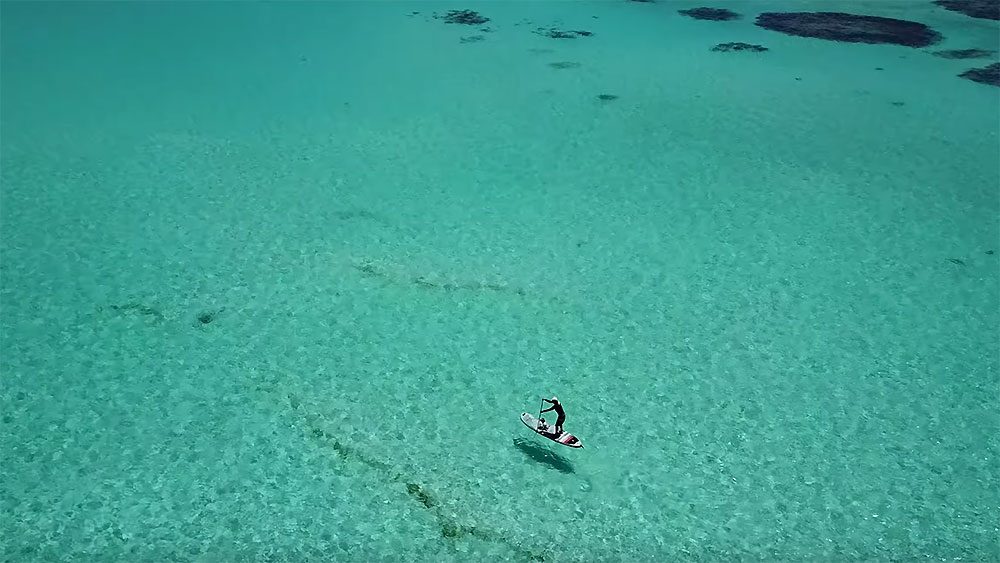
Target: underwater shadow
[544,456]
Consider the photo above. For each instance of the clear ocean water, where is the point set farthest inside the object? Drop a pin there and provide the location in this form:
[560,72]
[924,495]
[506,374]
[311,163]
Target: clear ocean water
[278,280]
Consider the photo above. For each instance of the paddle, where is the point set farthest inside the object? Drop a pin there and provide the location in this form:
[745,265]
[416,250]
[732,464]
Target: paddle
[540,407]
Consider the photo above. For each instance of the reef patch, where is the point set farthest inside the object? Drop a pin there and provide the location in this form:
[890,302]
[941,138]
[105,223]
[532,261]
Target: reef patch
[849,28]
[985,75]
[982,9]
[728,47]
[710,14]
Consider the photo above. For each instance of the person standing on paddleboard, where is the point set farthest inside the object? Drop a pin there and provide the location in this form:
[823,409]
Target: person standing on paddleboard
[560,414]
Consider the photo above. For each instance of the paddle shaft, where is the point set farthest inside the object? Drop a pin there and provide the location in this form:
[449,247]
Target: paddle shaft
[540,407]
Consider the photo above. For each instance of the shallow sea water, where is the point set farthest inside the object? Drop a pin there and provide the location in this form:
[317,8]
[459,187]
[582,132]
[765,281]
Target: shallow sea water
[279,278]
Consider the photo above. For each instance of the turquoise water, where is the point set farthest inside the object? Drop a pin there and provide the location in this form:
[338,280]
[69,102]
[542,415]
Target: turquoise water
[278,279]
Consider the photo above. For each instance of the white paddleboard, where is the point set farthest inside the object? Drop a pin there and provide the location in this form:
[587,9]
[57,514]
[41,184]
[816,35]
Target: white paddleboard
[548,430]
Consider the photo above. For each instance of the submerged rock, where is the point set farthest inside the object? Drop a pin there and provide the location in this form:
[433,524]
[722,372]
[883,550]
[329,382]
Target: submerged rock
[985,75]
[137,308]
[984,9]
[849,28]
[418,492]
[711,14]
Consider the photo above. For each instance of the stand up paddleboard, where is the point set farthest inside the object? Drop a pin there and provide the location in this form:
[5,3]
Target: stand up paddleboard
[544,429]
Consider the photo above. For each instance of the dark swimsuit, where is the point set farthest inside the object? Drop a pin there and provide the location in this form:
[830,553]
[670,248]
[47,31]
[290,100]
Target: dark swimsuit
[560,415]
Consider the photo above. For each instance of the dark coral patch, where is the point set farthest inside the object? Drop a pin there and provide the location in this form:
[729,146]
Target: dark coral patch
[849,28]
[963,54]
[711,14]
[464,17]
[554,33]
[984,9]
[727,47]
[986,75]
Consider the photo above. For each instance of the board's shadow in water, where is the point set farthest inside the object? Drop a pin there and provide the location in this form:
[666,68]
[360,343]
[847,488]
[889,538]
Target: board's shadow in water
[544,456]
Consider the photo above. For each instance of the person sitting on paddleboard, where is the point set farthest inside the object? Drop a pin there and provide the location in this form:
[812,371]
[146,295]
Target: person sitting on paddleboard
[560,414]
